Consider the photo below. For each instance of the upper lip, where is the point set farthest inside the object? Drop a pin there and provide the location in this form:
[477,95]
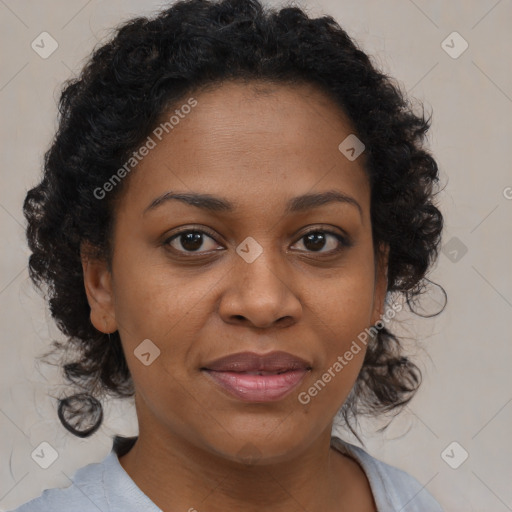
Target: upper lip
[277,361]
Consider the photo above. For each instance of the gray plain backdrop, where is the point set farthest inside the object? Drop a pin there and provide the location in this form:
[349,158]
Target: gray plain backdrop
[455,57]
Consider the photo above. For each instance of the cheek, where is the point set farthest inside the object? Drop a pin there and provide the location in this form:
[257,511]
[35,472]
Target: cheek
[345,302]
[163,305]
[341,357]
[342,311]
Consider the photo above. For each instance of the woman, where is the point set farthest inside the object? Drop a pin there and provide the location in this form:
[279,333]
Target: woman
[233,202]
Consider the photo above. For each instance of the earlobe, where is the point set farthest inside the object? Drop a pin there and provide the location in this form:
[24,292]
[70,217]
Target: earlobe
[98,288]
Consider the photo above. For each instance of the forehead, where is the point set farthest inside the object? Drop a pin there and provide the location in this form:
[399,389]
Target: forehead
[252,142]
[257,105]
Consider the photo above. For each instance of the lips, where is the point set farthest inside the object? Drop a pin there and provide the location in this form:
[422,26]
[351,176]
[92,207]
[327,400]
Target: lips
[253,377]
[274,362]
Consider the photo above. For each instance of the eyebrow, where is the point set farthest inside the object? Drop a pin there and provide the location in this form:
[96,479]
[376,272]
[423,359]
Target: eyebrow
[218,204]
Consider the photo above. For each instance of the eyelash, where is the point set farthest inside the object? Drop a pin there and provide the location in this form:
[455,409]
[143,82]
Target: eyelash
[345,243]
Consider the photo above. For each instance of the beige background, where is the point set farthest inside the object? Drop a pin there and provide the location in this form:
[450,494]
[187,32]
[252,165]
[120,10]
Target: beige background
[465,352]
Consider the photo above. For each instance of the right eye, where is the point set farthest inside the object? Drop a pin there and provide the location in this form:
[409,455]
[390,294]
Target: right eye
[190,240]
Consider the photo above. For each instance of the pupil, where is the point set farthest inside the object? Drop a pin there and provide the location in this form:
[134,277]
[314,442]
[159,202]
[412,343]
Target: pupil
[318,240]
[192,241]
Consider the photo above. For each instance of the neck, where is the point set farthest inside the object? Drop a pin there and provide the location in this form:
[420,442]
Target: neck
[173,472]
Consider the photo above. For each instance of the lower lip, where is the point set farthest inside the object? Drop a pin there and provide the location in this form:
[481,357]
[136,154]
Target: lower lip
[258,388]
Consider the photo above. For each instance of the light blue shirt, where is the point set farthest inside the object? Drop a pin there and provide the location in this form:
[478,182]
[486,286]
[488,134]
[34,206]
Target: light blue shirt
[106,487]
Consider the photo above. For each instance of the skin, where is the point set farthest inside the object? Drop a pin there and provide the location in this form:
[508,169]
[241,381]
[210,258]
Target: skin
[257,146]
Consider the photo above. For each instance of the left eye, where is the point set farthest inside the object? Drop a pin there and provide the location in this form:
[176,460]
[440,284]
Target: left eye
[317,240]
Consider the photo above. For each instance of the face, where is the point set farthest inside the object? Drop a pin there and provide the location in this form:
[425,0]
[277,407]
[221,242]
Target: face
[243,275]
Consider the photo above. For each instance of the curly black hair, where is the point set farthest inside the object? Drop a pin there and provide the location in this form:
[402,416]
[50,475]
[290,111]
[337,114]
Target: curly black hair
[150,65]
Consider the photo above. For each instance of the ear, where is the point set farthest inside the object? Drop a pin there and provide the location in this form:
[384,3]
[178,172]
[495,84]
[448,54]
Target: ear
[381,282]
[98,288]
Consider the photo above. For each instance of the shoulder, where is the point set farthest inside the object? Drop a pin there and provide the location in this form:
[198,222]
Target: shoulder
[84,494]
[102,486]
[393,488]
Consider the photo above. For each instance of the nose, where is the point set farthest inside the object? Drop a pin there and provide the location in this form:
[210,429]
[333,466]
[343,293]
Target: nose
[261,294]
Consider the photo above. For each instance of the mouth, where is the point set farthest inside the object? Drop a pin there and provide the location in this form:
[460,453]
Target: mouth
[252,377]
